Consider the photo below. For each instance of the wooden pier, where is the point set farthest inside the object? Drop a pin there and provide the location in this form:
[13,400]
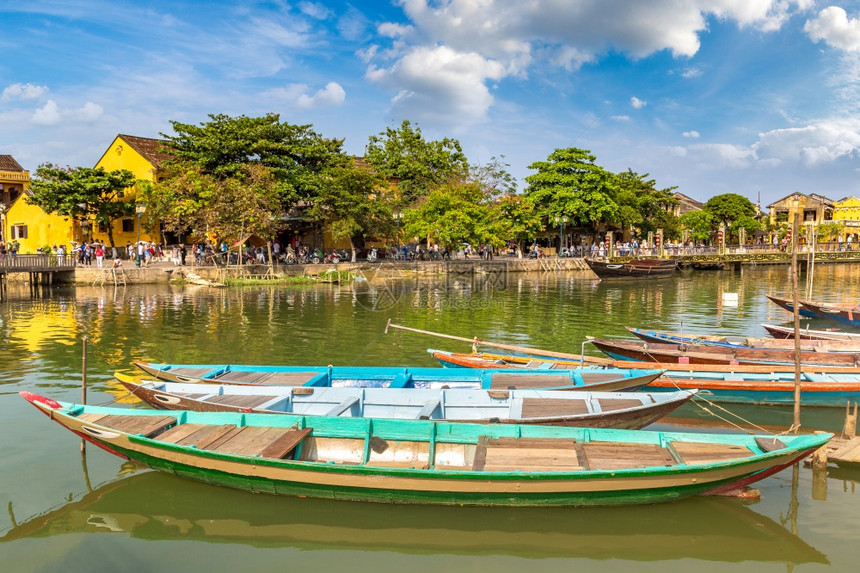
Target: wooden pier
[41,269]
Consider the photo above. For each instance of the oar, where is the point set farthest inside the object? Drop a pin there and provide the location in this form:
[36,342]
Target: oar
[525,350]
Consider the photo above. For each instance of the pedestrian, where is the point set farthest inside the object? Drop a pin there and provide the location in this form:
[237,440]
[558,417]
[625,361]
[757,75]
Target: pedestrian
[14,246]
[100,255]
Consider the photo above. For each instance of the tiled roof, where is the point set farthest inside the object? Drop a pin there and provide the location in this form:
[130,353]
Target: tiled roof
[148,148]
[8,163]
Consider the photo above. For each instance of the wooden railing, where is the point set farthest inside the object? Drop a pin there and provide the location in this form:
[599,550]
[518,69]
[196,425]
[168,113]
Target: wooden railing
[36,263]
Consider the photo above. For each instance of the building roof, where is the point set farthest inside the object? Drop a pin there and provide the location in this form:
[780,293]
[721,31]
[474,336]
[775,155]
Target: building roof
[8,163]
[687,204]
[149,148]
[812,197]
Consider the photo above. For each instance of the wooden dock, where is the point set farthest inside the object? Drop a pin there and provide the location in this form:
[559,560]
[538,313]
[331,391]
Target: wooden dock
[41,269]
[845,449]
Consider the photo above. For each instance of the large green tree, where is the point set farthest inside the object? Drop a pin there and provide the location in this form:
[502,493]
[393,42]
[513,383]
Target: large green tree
[295,155]
[84,193]
[518,219]
[413,163]
[640,203]
[730,208]
[699,224]
[570,183]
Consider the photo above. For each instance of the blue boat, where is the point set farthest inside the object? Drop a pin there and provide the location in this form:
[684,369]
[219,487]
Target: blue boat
[595,379]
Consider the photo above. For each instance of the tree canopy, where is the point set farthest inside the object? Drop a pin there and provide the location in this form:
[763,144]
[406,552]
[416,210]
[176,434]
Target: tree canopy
[84,192]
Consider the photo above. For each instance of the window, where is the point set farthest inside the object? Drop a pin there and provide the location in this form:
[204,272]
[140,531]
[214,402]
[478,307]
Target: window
[128,225]
[19,231]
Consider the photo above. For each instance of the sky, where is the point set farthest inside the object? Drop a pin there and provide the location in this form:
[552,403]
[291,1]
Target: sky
[755,97]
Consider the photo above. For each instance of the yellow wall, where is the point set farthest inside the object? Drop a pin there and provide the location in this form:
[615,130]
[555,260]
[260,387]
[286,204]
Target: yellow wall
[42,228]
[847,210]
[121,155]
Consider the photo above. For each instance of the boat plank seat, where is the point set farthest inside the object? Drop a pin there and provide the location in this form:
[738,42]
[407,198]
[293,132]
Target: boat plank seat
[247,440]
[197,435]
[190,395]
[548,407]
[268,378]
[428,408]
[621,455]
[503,380]
[596,377]
[239,400]
[526,454]
[343,406]
[188,372]
[619,404]
[284,444]
[703,453]
[131,424]
[769,444]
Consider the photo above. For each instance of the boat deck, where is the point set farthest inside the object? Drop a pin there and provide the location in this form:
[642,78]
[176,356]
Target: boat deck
[489,454]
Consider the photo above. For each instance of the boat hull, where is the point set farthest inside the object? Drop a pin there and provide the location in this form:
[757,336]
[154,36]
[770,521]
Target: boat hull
[373,481]
[634,269]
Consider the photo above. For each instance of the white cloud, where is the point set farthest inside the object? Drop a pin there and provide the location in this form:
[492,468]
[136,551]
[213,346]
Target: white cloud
[331,95]
[620,118]
[818,143]
[637,103]
[835,28]
[441,83]
[690,73]
[315,10]
[51,114]
[691,134]
[23,92]
[47,115]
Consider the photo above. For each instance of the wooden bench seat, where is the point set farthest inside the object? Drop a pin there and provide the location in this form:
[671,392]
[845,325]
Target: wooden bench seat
[621,455]
[131,424]
[526,454]
[268,378]
[239,400]
[262,441]
[704,453]
[500,380]
[553,407]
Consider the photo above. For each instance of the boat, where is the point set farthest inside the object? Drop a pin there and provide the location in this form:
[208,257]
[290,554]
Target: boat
[809,334]
[152,507]
[432,462]
[745,342]
[632,410]
[597,379]
[702,354]
[788,304]
[848,314]
[633,269]
[742,384]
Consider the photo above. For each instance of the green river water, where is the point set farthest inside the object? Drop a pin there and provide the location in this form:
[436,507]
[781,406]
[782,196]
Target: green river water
[71,513]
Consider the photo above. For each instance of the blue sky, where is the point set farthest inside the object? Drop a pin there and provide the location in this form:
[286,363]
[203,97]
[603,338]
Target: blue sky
[757,97]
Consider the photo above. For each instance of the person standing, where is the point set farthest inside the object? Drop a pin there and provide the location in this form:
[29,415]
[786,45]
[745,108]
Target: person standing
[100,255]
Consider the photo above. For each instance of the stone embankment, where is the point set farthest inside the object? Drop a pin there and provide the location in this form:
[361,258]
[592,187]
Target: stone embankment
[162,273]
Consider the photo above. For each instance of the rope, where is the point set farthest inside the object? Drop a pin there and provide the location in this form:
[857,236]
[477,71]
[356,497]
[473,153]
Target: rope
[697,398]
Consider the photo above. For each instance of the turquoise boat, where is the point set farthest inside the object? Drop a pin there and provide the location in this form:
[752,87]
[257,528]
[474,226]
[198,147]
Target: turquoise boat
[632,410]
[431,462]
[595,379]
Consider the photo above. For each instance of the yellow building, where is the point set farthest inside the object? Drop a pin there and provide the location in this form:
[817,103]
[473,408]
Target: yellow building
[14,179]
[142,157]
[847,212]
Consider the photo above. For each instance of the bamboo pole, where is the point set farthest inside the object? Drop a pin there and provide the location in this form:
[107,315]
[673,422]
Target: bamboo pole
[796,305]
[84,383]
[476,341]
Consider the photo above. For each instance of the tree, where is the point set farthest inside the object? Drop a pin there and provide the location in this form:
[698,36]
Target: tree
[728,208]
[415,164]
[518,219]
[294,155]
[178,199]
[748,224]
[351,203]
[453,214]
[640,203]
[699,224]
[84,192]
[829,229]
[246,203]
[570,183]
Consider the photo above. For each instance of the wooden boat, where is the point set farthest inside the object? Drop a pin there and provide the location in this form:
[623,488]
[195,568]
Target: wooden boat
[153,507]
[848,314]
[690,354]
[596,379]
[633,269]
[426,461]
[781,332]
[692,340]
[788,304]
[744,384]
[631,410]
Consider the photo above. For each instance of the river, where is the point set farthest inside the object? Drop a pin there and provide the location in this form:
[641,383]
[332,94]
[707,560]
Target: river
[70,513]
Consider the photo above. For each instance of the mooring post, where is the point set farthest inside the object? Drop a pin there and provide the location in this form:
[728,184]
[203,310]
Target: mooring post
[84,382]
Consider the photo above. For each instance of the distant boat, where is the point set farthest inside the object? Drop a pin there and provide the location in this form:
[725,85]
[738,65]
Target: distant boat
[745,383]
[673,353]
[788,305]
[809,334]
[633,269]
[431,462]
[848,314]
[596,379]
[631,410]
[693,340]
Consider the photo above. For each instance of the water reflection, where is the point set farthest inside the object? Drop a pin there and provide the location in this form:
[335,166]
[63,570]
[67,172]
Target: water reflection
[153,506]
